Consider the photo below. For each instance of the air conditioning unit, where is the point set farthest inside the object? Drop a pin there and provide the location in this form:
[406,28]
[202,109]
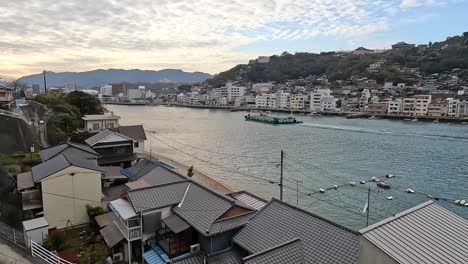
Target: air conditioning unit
[194,248]
[118,257]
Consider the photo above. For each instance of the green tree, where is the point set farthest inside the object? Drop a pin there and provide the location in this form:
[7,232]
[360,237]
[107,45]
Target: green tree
[184,88]
[94,253]
[190,172]
[92,212]
[86,103]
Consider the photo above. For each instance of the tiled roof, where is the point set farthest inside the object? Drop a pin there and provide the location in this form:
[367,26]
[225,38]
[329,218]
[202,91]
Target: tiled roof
[231,223]
[249,199]
[140,169]
[427,233]
[101,117]
[136,133]
[158,196]
[24,181]
[230,256]
[192,259]
[112,235]
[59,163]
[161,175]
[323,241]
[71,148]
[102,135]
[289,252]
[202,206]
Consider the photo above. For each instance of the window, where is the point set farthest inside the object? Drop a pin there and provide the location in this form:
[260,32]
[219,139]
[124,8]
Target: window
[110,125]
[95,126]
[136,144]
[3,94]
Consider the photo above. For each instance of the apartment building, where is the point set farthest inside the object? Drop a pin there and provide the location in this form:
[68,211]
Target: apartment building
[438,108]
[422,104]
[298,101]
[452,107]
[409,106]
[316,99]
[328,104]
[234,91]
[395,106]
[282,100]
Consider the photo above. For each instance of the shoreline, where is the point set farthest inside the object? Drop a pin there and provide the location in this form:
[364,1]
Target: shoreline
[199,175]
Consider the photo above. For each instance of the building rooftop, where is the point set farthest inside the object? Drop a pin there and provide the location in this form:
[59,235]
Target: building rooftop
[141,168]
[289,252]
[60,162]
[35,224]
[109,116]
[323,241]
[161,175]
[24,181]
[427,233]
[106,136]
[69,148]
[136,133]
[249,199]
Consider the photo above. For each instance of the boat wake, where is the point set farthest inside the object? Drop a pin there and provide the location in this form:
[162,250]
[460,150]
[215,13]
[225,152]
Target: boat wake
[383,132]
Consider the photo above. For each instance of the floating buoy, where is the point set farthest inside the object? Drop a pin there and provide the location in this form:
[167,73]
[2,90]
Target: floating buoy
[430,196]
[375,179]
[390,198]
[457,201]
[409,190]
[352,183]
[363,182]
[321,190]
[335,187]
[390,176]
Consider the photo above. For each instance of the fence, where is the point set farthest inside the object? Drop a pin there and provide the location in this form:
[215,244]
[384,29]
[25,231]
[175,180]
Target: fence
[18,238]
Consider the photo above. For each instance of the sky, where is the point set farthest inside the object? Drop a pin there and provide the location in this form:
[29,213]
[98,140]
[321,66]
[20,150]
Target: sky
[206,35]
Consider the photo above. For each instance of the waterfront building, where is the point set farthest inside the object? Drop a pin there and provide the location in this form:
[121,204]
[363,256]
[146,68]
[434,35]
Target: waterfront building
[262,87]
[409,106]
[316,99]
[298,102]
[452,105]
[463,109]
[422,104]
[427,233]
[136,94]
[364,100]
[234,91]
[120,89]
[106,90]
[395,106]
[115,149]
[265,101]
[377,108]
[328,104]
[96,123]
[222,101]
[438,109]
[282,100]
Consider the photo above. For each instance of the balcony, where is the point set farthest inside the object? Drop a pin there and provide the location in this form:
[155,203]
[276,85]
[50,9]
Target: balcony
[131,233]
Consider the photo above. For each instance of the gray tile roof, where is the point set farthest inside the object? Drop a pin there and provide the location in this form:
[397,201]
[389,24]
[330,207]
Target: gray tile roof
[249,199]
[112,235]
[231,223]
[194,259]
[323,241]
[202,206]
[60,162]
[140,169]
[161,175]
[136,133]
[158,196]
[230,256]
[24,181]
[289,252]
[99,136]
[69,148]
[427,233]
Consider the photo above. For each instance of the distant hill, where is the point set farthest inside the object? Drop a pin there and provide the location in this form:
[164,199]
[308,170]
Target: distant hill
[434,57]
[101,77]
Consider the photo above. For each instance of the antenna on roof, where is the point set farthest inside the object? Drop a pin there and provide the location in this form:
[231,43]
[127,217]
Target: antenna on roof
[183,198]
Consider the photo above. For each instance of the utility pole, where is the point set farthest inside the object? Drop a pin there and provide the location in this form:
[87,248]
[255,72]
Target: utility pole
[281,179]
[45,83]
[368,206]
[297,190]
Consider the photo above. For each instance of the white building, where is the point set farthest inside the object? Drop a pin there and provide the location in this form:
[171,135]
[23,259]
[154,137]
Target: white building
[96,123]
[395,106]
[452,104]
[234,92]
[409,106]
[422,104]
[298,101]
[222,101]
[106,90]
[328,104]
[282,100]
[316,99]
[262,87]
[265,101]
[364,100]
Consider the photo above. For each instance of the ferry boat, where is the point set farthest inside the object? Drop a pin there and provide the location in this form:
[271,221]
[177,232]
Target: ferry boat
[275,120]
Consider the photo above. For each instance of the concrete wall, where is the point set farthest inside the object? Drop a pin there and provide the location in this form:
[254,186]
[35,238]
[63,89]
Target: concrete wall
[103,124]
[370,254]
[216,243]
[37,235]
[141,147]
[65,196]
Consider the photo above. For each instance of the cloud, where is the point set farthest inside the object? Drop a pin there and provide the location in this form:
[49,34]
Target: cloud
[202,35]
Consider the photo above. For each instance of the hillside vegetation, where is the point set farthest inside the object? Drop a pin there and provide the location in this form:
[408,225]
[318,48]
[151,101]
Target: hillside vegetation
[438,57]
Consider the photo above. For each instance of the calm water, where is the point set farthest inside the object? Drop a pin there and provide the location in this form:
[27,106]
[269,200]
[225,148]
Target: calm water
[323,152]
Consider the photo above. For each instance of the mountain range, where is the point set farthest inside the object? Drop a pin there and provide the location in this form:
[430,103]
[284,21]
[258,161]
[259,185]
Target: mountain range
[101,77]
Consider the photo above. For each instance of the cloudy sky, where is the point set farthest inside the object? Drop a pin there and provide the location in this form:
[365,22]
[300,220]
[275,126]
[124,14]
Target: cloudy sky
[206,35]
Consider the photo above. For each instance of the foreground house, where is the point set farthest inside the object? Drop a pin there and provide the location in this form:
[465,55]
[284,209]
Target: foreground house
[427,233]
[137,133]
[96,123]
[6,96]
[114,148]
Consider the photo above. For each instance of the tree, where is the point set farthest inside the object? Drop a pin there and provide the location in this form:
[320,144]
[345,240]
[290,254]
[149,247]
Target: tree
[94,253]
[190,172]
[184,88]
[92,212]
[86,103]
[430,44]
